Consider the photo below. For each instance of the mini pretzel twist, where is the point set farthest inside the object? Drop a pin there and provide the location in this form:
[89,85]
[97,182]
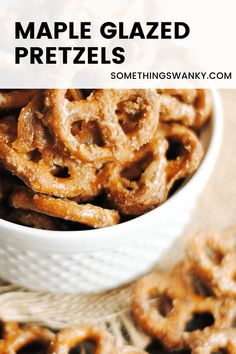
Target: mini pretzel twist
[68,338]
[189,109]
[185,151]
[213,258]
[30,155]
[216,342]
[125,119]
[132,192]
[171,319]
[87,214]
[143,182]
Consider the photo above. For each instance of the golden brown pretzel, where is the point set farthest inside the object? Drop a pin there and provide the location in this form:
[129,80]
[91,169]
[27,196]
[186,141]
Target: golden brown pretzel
[172,319]
[68,338]
[216,342]
[87,214]
[139,184]
[184,156]
[144,181]
[34,159]
[137,110]
[28,336]
[12,99]
[213,258]
[193,114]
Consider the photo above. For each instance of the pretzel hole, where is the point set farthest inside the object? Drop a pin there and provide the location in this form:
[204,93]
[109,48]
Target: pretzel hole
[199,287]
[164,305]
[35,155]
[36,347]
[60,172]
[134,171]
[87,347]
[214,255]
[129,112]
[175,149]
[87,133]
[220,351]
[199,321]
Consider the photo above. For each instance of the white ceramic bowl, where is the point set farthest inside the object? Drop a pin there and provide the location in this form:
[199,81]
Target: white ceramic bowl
[96,260]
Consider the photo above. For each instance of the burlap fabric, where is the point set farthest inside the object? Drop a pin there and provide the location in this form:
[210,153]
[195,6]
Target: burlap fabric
[216,208]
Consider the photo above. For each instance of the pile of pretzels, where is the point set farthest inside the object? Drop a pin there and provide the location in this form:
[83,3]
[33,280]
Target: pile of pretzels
[193,306]
[78,158]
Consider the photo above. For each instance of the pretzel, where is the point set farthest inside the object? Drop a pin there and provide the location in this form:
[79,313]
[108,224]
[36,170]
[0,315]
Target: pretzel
[130,350]
[194,114]
[170,320]
[213,258]
[12,99]
[87,214]
[132,196]
[158,172]
[38,163]
[216,342]
[184,153]
[68,338]
[26,336]
[126,120]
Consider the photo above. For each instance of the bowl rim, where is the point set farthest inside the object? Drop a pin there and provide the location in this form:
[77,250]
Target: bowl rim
[110,233]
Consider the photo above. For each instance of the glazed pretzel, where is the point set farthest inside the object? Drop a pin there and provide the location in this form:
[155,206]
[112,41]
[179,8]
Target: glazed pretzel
[187,151]
[26,336]
[134,197]
[68,338]
[213,258]
[144,181]
[137,110]
[32,157]
[194,114]
[170,320]
[87,214]
[12,99]
[216,342]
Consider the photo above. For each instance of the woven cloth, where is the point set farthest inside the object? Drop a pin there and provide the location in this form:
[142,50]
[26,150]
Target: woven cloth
[216,208]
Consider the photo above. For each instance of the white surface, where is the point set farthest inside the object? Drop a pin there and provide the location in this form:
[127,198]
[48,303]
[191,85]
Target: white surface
[95,260]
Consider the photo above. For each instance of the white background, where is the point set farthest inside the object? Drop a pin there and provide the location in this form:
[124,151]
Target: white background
[210,46]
